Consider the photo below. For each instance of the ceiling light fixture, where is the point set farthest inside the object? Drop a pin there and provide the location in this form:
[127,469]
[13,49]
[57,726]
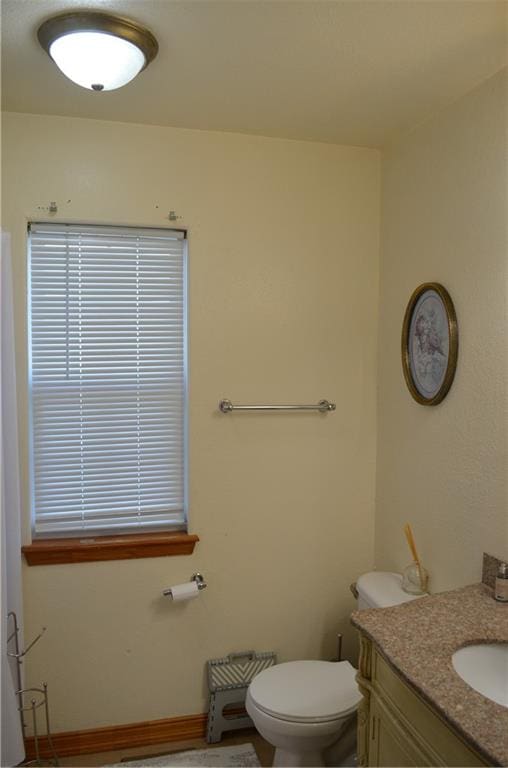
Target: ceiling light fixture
[97,51]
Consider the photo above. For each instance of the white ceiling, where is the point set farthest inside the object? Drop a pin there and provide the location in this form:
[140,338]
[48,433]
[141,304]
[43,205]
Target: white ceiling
[345,71]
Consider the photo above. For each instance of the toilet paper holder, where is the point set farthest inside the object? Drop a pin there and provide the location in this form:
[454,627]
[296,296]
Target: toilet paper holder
[197,577]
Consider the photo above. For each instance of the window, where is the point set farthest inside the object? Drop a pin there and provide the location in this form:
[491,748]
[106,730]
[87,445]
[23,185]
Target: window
[107,367]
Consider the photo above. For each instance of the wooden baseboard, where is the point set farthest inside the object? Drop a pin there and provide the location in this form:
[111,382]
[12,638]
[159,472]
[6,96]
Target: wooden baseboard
[120,736]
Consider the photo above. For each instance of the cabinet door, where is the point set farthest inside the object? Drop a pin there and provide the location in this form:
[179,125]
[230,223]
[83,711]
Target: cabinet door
[388,746]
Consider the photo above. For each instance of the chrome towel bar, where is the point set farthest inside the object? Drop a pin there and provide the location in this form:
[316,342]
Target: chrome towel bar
[226,406]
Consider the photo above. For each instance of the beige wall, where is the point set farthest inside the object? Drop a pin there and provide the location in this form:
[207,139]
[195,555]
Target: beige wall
[283,242]
[444,468]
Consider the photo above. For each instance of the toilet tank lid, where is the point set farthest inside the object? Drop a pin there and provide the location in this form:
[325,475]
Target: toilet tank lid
[382,589]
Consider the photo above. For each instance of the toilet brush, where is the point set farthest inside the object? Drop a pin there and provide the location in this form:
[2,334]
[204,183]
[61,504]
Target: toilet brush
[422,574]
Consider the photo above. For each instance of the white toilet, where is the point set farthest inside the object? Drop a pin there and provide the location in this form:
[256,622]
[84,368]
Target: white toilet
[301,707]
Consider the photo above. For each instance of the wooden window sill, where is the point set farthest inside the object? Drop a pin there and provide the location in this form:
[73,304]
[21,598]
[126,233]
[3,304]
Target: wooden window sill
[94,548]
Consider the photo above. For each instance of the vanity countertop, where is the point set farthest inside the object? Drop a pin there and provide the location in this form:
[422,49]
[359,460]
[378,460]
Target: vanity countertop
[418,639]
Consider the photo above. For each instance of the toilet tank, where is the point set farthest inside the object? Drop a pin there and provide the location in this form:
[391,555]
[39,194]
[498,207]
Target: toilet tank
[381,589]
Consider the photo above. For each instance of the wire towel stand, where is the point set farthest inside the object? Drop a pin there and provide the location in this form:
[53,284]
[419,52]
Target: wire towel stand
[27,701]
[226,406]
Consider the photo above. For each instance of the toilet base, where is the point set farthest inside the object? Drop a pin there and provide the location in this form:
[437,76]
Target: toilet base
[341,753]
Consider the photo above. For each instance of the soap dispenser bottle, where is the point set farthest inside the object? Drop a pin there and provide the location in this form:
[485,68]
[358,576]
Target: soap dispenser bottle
[501,588]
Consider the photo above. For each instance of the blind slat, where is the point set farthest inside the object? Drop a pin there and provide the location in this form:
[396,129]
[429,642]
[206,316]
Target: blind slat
[107,377]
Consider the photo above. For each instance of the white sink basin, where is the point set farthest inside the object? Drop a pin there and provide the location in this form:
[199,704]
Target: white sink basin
[485,668]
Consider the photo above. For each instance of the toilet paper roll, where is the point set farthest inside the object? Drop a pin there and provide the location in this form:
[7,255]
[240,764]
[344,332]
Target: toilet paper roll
[186,591]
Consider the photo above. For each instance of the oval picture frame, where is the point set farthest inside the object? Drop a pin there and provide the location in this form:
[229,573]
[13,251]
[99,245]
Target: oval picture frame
[430,343]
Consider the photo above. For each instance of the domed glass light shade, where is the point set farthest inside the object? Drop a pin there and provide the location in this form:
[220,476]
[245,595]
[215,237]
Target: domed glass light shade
[97,51]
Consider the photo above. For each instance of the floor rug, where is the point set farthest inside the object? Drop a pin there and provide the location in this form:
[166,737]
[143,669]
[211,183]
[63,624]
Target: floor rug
[237,756]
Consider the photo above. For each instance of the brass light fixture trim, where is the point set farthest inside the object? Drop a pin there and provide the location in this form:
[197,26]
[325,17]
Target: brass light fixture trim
[96,21]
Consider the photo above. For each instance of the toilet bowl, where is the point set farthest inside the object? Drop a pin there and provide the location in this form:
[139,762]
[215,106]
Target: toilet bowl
[304,707]
[300,707]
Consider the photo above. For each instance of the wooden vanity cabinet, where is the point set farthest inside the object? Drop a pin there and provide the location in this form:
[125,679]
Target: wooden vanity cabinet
[398,728]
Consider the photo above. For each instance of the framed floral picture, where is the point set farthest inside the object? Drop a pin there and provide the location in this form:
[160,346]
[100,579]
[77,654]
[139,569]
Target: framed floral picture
[429,343]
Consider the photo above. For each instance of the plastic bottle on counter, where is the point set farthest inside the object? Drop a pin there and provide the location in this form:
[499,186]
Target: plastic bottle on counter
[501,588]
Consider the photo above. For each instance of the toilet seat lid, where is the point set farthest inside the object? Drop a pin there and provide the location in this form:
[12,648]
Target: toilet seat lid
[306,691]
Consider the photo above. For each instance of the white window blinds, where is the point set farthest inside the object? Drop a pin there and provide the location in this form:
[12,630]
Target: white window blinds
[107,378]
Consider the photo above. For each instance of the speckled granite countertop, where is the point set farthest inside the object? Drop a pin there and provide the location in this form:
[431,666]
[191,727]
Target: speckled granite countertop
[418,639]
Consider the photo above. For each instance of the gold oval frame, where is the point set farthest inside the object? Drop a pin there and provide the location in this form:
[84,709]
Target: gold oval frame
[96,21]
[453,343]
